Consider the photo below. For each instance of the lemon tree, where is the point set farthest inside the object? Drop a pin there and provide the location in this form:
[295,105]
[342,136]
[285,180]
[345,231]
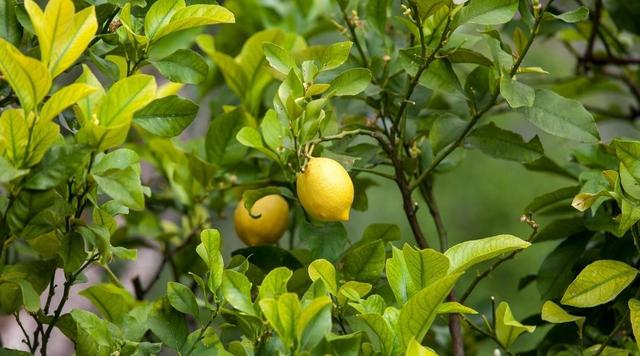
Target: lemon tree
[185,130]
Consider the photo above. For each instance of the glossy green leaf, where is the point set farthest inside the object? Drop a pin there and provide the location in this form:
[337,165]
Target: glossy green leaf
[8,172]
[561,117]
[280,59]
[182,298]
[507,327]
[168,324]
[416,349]
[274,283]
[251,137]
[350,82]
[455,308]
[166,117]
[236,289]
[183,66]
[283,314]
[378,331]
[209,251]
[466,254]
[334,55]
[314,323]
[123,185]
[598,283]
[326,272]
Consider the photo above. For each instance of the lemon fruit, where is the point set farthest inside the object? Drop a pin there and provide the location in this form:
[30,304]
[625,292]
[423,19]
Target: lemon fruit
[269,227]
[325,190]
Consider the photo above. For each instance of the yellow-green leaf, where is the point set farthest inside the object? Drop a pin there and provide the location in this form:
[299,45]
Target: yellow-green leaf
[468,253]
[125,98]
[14,133]
[507,327]
[554,313]
[324,270]
[416,349]
[195,16]
[159,15]
[70,45]
[50,24]
[63,99]
[634,310]
[27,76]
[598,283]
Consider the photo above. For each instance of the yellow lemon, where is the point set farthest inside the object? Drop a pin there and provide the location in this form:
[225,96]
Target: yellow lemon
[269,227]
[325,190]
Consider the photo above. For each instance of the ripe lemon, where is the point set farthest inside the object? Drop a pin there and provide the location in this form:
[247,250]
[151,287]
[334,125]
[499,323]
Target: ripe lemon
[325,190]
[269,227]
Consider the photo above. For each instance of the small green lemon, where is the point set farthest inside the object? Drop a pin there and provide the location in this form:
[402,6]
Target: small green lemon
[325,190]
[269,227]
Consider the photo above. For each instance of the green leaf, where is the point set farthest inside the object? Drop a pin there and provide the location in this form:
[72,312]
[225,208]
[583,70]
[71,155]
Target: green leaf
[234,74]
[634,311]
[273,131]
[488,12]
[440,77]
[28,77]
[557,269]
[455,308]
[58,164]
[505,144]
[378,331]
[417,315]
[221,145]
[507,328]
[573,16]
[119,159]
[8,172]
[182,298]
[416,349]
[236,289]
[466,55]
[468,253]
[515,93]
[334,55]
[274,283]
[366,262]
[183,66]
[280,59]
[194,16]
[445,130]
[94,336]
[283,314]
[112,301]
[548,199]
[124,98]
[314,323]
[167,117]
[553,313]
[409,270]
[598,283]
[325,271]
[350,82]
[9,29]
[123,185]
[561,117]
[250,137]
[168,325]
[30,297]
[209,251]
[159,15]
[64,98]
